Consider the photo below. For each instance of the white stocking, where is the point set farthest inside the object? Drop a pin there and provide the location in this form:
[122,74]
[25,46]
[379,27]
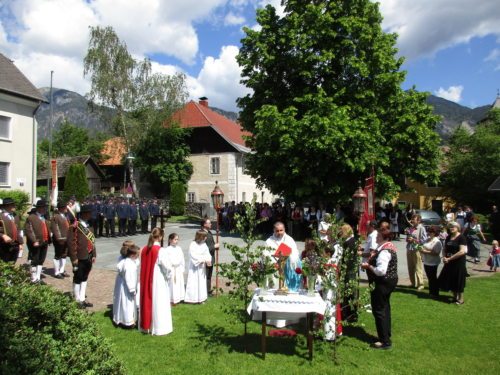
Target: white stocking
[62,266]
[38,272]
[76,292]
[83,289]
[56,267]
[33,274]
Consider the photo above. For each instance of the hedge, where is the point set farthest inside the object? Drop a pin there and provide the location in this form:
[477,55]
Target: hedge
[21,197]
[177,198]
[43,331]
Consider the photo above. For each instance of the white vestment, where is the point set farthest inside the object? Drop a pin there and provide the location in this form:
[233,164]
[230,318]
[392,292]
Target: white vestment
[196,286]
[161,323]
[124,307]
[177,288]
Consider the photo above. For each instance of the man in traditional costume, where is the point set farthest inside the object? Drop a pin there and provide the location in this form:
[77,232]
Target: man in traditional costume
[206,225]
[11,234]
[37,230]
[59,227]
[82,252]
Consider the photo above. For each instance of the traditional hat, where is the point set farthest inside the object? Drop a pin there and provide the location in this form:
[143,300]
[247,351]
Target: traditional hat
[61,204]
[7,201]
[41,203]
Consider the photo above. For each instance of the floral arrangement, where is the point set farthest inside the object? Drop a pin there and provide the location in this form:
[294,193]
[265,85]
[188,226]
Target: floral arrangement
[312,264]
[262,269]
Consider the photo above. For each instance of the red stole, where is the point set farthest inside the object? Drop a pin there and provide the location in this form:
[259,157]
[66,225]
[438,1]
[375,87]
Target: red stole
[148,261]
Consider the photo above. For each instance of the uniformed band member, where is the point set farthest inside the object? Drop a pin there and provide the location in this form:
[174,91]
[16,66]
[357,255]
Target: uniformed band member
[122,213]
[154,210]
[11,235]
[144,215]
[110,213]
[82,252]
[100,217]
[132,218]
[59,228]
[37,230]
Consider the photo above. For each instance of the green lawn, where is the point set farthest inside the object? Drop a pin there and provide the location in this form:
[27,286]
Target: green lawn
[429,337]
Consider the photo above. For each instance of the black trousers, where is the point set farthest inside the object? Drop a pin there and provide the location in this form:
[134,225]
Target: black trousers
[154,220]
[132,226]
[144,225]
[209,278]
[37,254]
[82,273]
[60,250]
[122,226]
[100,220]
[431,273]
[94,223]
[9,253]
[110,227]
[381,309]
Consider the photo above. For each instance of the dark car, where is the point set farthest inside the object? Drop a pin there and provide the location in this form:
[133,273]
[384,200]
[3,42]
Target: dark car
[430,218]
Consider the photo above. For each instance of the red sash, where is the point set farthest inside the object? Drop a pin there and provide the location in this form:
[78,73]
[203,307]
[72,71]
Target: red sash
[148,261]
[13,228]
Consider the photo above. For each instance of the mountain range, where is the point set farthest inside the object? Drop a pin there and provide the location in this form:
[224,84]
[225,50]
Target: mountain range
[75,109]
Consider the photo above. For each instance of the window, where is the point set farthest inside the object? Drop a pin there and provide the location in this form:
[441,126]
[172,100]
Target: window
[4,173]
[191,198]
[215,165]
[4,127]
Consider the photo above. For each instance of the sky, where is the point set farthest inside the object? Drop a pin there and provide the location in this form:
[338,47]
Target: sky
[451,47]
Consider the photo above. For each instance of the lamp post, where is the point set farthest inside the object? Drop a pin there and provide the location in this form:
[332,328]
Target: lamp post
[128,158]
[358,199]
[217,200]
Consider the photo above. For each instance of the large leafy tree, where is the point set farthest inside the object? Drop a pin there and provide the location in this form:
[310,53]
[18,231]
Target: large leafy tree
[139,97]
[473,163]
[326,103]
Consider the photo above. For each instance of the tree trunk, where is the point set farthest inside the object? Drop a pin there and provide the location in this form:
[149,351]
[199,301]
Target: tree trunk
[132,178]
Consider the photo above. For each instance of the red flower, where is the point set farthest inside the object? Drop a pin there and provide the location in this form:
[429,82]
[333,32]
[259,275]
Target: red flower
[298,270]
[255,266]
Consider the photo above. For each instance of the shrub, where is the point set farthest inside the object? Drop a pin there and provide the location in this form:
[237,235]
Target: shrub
[43,331]
[76,182]
[42,192]
[177,198]
[21,197]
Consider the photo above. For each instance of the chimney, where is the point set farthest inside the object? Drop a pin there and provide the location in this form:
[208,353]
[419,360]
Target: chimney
[204,101]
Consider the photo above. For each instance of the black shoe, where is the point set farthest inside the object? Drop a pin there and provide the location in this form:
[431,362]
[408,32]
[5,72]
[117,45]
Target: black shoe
[81,305]
[59,276]
[65,274]
[87,304]
[381,346]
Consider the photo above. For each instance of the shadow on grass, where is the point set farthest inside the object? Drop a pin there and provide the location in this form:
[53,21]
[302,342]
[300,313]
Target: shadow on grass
[421,294]
[215,339]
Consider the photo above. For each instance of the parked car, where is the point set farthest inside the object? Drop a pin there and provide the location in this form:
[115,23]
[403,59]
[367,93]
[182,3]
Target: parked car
[430,218]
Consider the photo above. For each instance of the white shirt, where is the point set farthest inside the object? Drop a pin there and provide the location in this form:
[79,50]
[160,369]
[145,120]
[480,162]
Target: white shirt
[370,243]
[383,260]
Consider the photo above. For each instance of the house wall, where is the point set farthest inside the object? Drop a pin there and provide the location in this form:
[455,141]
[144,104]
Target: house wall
[422,197]
[236,185]
[20,149]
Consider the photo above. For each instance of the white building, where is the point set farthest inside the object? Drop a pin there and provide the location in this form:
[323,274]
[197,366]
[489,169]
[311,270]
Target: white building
[19,101]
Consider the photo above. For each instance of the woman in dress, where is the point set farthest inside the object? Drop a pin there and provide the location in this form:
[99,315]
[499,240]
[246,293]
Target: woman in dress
[124,306]
[431,254]
[416,237]
[453,274]
[199,258]
[176,260]
[382,270]
[472,232]
[155,314]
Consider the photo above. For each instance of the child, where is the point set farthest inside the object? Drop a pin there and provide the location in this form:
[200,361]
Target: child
[124,306]
[495,256]
[199,257]
[176,258]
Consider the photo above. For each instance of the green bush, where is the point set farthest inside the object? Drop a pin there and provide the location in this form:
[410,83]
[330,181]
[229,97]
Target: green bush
[43,331]
[42,192]
[21,197]
[177,198]
[76,183]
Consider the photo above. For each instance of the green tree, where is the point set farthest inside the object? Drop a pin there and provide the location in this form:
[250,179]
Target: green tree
[140,98]
[177,198]
[76,182]
[162,157]
[326,103]
[473,163]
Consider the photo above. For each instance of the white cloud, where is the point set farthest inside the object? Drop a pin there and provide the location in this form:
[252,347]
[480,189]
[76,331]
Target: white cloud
[219,80]
[280,9]
[453,93]
[494,55]
[232,19]
[427,26]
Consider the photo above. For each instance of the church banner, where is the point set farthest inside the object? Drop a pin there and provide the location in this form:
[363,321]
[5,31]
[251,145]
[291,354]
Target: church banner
[54,187]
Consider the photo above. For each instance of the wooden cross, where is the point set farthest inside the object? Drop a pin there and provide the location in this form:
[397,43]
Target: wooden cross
[162,223]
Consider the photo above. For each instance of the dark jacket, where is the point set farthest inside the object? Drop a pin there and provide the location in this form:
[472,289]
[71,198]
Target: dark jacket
[81,242]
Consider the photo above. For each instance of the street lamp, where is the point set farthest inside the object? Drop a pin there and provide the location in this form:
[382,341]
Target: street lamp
[358,199]
[128,158]
[217,200]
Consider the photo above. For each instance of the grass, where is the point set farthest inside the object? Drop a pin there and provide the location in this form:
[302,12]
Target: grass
[429,337]
[184,219]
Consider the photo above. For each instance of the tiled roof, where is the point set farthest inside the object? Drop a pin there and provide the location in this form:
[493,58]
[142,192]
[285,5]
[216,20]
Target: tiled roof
[64,163]
[194,115]
[13,82]
[114,149]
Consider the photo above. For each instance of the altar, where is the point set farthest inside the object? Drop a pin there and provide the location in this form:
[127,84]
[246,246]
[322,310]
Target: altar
[265,305]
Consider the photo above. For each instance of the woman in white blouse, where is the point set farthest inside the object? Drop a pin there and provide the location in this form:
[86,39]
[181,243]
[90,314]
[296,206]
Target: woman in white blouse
[431,256]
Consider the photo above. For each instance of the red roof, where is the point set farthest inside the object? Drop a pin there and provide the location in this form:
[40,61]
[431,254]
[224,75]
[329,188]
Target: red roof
[197,115]
[113,149]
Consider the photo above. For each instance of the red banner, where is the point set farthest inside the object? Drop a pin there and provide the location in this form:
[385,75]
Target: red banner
[369,213]
[54,188]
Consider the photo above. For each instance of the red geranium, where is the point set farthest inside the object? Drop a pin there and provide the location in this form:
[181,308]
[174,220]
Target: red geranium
[298,270]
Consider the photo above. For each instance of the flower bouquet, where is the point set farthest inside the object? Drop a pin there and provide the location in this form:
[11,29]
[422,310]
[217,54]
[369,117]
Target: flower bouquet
[262,271]
[311,268]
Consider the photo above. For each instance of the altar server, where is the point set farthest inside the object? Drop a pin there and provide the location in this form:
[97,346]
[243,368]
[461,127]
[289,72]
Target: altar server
[155,314]
[199,258]
[176,259]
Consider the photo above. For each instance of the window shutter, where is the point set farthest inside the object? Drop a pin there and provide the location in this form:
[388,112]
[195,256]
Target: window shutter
[4,173]
[4,127]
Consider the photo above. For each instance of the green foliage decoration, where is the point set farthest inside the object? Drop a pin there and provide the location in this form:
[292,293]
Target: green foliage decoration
[177,198]
[76,182]
[43,332]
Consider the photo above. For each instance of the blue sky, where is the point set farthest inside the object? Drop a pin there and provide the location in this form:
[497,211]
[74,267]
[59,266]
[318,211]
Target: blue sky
[452,47]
